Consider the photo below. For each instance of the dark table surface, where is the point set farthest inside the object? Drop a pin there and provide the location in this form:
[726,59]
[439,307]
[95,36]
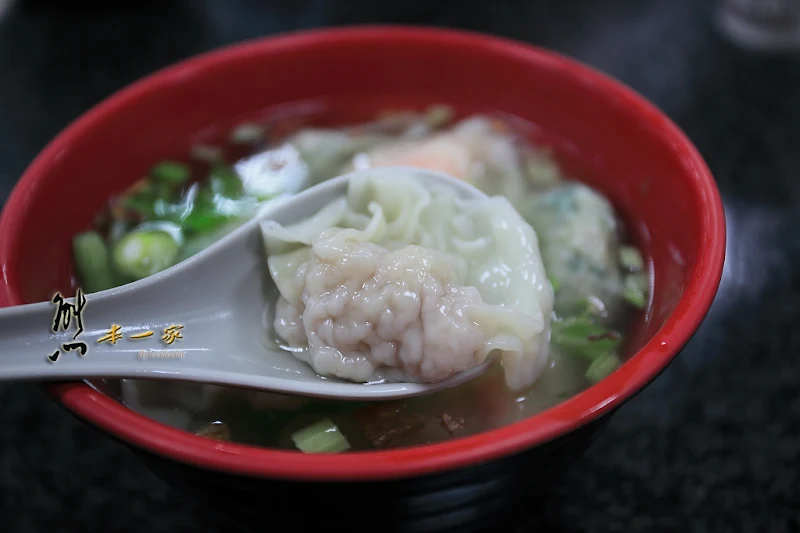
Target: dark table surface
[712,445]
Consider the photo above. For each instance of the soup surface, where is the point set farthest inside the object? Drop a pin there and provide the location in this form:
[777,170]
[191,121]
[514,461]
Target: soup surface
[598,278]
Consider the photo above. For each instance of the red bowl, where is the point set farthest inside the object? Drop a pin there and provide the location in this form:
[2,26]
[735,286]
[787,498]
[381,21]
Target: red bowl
[601,131]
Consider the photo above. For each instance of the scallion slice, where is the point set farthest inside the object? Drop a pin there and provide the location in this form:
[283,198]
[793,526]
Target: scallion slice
[171,172]
[582,337]
[320,437]
[91,261]
[142,253]
[635,290]
[602,367]
[631,258]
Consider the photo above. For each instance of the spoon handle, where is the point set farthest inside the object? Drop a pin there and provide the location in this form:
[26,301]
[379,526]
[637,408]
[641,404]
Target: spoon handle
[60,339]
[185,323]
[179,324]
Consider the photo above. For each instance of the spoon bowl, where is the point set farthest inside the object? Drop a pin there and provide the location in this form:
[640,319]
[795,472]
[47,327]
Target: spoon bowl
[202,320]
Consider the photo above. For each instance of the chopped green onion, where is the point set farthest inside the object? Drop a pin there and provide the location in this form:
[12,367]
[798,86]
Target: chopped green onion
[162,191]
[171,172]
[141,203]
[225,181]
[320,437]
[91,262]
[199,221]
[143,253]
[197,211]
[201,241]
[202,219]
[246,134]
[602,367]
[635,298]
[145,199]
[635,290]
[582,337]
[631,258]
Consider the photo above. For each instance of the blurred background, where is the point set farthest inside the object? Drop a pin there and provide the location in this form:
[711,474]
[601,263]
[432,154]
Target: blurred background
[712,445]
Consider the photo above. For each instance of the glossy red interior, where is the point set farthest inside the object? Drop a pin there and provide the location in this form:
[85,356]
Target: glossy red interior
[602,132]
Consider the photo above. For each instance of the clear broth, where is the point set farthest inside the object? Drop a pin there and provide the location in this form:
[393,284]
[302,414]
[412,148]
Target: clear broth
[269,420]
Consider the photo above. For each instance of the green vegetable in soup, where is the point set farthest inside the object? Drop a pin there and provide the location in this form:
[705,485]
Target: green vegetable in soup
[631,258]
[635,290]
[142,253]
[200,216]
[320,437]
[197,213]
[583,337]
[602,367]
[201,241]
[91,262]
[225,181]
[635,284]
[141,204]
[204,207]
[171,172]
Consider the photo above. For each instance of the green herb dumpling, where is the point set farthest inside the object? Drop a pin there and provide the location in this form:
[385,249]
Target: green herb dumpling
[578,233]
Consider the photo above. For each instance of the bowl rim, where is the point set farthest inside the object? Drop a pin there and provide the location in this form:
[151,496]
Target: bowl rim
[599,399]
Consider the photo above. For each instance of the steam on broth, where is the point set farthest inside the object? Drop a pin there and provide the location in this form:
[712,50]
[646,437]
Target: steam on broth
[596,279]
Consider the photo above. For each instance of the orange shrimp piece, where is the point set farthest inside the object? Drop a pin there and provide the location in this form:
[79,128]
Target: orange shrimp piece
[440,154]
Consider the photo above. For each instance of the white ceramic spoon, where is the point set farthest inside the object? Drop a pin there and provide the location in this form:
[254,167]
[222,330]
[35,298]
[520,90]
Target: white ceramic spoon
[218,298]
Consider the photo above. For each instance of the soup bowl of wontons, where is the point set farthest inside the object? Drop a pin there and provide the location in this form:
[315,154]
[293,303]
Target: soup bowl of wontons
[628,243]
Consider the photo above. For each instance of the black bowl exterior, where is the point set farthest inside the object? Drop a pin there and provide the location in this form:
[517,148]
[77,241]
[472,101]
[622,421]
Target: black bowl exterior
[484,497]
[478,498]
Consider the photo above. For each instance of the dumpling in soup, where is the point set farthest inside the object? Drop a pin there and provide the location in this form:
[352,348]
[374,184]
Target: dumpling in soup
[472,150]
[578,232]
[401,280]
